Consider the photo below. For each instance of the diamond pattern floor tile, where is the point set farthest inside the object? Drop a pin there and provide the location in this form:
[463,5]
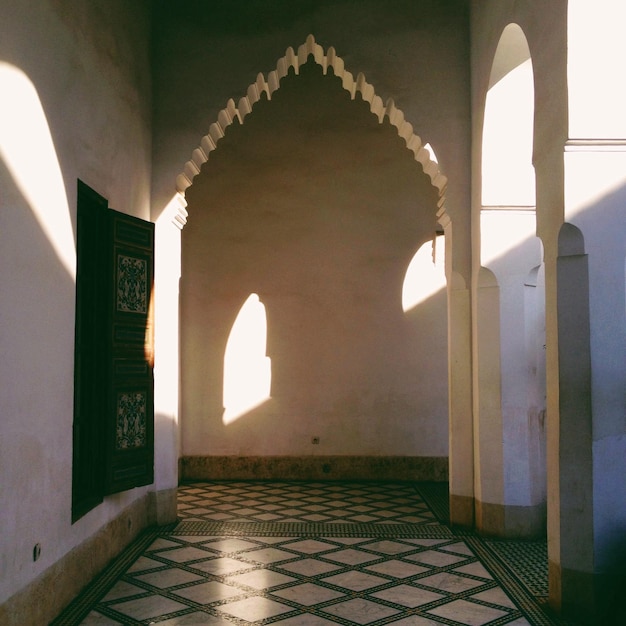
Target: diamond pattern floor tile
[308,594]
[407,595]
[206,593]
[311,554]
[355,580]
[361,611]
[261,579]
[148,607]
[254,608]
[468,613]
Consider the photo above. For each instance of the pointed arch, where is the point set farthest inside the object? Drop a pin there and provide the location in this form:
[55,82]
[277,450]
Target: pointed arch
[269,85]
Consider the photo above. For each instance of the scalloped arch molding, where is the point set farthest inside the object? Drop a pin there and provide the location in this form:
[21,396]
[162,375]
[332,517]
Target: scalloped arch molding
[268,86]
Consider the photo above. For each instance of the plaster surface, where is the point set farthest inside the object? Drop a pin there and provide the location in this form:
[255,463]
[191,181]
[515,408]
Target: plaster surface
[318,209]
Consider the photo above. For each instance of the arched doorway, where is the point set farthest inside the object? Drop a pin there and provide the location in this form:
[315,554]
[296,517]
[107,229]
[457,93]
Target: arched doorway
[509,360]
[316,203]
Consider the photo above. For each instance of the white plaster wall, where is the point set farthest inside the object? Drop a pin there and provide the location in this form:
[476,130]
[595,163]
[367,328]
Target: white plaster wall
[318,209]
[79,107]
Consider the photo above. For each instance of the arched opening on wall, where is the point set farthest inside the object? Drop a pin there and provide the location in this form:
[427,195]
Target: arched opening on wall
[508,176]
[315,200]
[514,255]
[264,87]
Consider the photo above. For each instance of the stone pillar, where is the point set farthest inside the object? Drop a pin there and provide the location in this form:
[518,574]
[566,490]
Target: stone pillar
[461,452]
[488,457]
[588,560]
[575,568]
[166,367]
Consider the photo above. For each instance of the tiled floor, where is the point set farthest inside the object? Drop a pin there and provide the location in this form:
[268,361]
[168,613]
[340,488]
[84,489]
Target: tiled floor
[316,554]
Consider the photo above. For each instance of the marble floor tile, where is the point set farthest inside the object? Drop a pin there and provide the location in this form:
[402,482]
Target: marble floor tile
[468,613]
[407,596]
[229,545]
[122,589]
[308,594]
[183,555]
[398,569]
[151,606]
[221,566]
[388,547]
[494,595]
[208,592]
[168,578]
[196,619]
[450,582]
[355,580]
[305,619]
[474,569]
[254,608]
[308,567]
[261,579]
[268,555]
[246,553]
[437,559]
[351,557]
[309,546]
[360,611]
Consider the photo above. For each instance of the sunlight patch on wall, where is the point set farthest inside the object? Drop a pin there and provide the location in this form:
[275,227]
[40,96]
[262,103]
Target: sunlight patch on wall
[503,231]
[27,148]
[425,275]
[247,369]
[166,316]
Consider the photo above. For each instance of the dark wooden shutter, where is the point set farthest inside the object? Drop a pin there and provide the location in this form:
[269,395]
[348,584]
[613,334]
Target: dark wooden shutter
[129,425]
[113,433]
[90,371]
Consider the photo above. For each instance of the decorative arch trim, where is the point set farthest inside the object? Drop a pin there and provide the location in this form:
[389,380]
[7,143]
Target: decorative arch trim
[269,85]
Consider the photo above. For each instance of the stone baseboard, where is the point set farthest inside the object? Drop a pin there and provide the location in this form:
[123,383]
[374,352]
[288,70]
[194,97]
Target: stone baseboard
[314,468]
[462,511]
[586,598]
[511,522]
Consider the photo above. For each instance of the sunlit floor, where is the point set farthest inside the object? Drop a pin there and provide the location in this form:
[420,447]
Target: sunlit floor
[317,554]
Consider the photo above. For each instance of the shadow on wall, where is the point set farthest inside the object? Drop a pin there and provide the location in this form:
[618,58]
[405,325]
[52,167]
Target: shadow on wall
[318,209]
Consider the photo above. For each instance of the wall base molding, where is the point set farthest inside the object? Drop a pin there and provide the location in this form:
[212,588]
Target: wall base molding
[462,511]
[588,598]
[511,522]
[402,468]
[40,601]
